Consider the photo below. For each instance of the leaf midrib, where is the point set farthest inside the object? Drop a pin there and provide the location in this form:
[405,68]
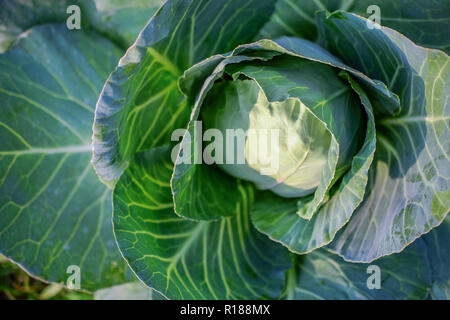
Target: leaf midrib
[69,149]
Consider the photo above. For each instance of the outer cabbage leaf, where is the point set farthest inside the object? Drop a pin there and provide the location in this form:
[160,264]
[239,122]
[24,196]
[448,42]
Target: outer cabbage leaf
[437,244]
[419,272]
[120,21]
[424,22]
[191,260]
[17,16]
[295,18]
[408,192]
[53,210]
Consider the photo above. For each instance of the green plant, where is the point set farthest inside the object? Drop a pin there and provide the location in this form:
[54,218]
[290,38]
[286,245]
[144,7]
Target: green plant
[362,116]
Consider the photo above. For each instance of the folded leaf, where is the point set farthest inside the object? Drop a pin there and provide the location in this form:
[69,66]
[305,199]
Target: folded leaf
[278,218]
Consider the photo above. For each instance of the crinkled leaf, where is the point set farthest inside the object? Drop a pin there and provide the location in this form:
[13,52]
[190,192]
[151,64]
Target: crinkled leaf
[408,192]
[54,212]
[141,105]
[191,260]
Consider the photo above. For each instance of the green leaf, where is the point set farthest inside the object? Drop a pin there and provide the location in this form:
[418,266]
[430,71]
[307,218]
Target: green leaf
[322,275]
[424,22]
[408,192]
[202,191]
[437,244]
[278,218]
[191,260]
[18,16]
[54,212]
[119,21]
[419,272]
[144,86]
